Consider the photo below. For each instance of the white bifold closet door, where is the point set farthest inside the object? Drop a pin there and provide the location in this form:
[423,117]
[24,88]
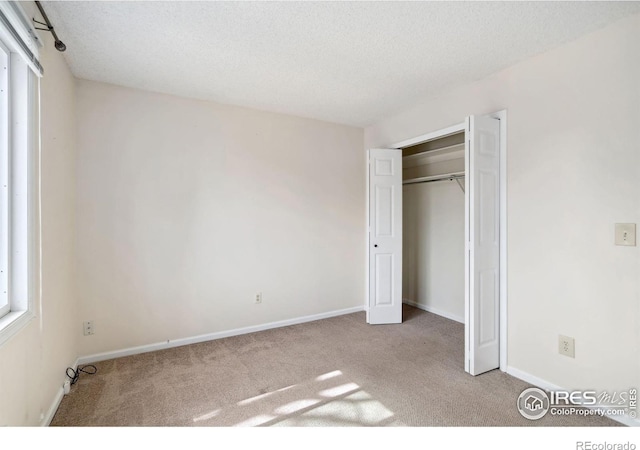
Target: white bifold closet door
[482,237]
[482,199]
[385,236]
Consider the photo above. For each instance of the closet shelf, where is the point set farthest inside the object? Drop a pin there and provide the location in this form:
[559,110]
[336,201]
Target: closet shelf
[441,154]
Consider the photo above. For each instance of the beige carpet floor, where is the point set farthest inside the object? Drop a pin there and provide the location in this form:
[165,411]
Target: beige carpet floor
[332,372]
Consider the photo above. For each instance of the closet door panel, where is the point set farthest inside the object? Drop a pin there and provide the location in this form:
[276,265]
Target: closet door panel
[483,255]
[385,236]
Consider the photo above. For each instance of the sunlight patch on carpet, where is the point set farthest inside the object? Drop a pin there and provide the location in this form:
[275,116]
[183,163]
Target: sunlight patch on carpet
[326,376]
[255,421]
[329,399]
[296,406]
[263,396]
[207,416]
[357,409]
[339,390]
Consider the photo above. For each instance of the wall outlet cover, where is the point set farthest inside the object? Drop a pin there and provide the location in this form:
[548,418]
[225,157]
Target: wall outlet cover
[567,346]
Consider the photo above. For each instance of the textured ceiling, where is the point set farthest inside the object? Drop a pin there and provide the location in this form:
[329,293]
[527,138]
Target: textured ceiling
[346,62]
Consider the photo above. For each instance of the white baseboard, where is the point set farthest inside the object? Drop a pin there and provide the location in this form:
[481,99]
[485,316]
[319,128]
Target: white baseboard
[212,336]
[46,421]
[547,386]
[517,373]
[433,310]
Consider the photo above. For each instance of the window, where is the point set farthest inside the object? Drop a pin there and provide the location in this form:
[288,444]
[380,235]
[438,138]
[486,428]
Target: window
[19,176]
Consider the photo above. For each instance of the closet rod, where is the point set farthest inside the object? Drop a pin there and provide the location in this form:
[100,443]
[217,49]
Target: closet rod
[448,176]
[451,177]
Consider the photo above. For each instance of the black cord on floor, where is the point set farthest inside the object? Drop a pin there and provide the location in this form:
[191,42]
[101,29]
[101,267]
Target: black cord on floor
[75,374]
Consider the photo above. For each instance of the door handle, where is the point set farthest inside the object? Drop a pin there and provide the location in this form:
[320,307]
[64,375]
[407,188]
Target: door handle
[375,245]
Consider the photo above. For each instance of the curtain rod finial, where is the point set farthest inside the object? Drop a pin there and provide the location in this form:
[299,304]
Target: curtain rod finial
[58,43]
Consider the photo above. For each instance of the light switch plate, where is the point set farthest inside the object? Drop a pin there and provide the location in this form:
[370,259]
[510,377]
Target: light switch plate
[626,234]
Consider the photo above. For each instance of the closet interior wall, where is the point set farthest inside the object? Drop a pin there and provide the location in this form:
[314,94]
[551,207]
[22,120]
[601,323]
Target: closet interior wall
[433,233]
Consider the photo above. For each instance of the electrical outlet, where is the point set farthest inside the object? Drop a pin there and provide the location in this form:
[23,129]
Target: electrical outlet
[567,346]
[259,297]
[88,328]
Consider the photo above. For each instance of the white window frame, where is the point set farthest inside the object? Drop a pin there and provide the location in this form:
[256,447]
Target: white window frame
[5,58]
[19,183]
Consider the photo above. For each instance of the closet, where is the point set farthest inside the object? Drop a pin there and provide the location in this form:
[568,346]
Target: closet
[436,233]
[433,258]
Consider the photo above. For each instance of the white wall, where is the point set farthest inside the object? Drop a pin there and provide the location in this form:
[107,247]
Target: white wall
[187,209]
[573,171]
[33,362]
[433,247]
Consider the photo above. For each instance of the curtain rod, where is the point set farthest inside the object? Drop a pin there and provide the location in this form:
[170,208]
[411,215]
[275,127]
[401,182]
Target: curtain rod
[58,43]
